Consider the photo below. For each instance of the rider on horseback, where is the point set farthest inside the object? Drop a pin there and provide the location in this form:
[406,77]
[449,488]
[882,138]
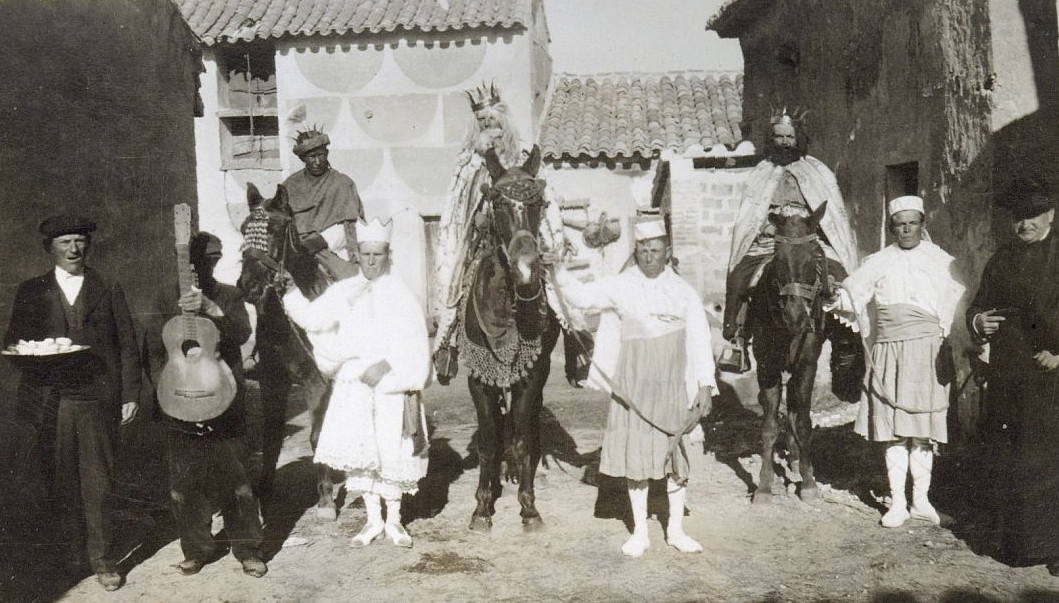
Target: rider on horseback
[458,235]
[787,182]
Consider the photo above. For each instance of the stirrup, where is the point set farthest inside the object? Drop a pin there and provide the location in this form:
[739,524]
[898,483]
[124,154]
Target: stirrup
[734,357]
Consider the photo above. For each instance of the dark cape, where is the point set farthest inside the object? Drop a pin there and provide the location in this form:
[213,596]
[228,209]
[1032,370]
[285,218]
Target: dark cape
[1022,401]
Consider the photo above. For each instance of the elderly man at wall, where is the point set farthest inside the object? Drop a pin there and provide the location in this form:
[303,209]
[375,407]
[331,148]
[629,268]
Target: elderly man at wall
[326,206]
[912,295]
[653,356]
[1016,310]
[74,407]
[208,459]
[492,128]
[788,180]
[370,334]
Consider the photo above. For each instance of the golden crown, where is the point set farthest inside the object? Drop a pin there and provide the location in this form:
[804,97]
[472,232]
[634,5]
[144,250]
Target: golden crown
[482,97]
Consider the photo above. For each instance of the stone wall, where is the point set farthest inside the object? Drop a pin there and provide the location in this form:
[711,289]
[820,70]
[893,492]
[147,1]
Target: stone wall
[704,204]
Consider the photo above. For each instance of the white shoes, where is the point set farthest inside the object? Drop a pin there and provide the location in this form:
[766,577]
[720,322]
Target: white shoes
[925,512]
[679,540]
[896,516]
[636,545]
[398,535]
[367,534]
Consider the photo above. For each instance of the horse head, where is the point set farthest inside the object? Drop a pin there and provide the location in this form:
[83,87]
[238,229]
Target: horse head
[271,245]
[799,268]
[512,212]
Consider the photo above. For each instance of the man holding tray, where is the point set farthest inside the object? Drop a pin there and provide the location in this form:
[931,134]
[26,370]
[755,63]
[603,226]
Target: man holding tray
[73,403]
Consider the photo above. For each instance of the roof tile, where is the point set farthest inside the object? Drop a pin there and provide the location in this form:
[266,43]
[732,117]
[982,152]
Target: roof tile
[228,21]
[625,115]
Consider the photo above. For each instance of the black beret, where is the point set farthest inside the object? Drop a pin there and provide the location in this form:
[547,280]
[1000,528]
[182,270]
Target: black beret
[56,226]
[1030,205]
[205,245]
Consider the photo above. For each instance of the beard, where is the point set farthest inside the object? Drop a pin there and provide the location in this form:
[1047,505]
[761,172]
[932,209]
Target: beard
[488,139]
[783,155]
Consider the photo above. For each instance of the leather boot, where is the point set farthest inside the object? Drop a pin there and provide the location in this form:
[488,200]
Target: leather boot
[896,471]
[921,464]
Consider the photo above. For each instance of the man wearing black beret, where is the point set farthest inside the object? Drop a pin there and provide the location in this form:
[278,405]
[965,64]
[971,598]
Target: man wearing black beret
[74,406]
[1016,310]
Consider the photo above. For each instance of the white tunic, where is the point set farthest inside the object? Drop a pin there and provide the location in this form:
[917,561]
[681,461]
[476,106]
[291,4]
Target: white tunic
[667,298]
[353,325]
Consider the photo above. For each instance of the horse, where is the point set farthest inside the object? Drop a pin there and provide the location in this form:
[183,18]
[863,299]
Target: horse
[507,335]
[284,353]
[788,327]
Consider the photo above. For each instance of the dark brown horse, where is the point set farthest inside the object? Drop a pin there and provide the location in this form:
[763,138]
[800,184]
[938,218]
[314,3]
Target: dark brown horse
[788,327]
[283,352]
[507,335]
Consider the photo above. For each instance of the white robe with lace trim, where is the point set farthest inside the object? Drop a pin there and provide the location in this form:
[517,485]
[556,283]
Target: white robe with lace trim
[353,325]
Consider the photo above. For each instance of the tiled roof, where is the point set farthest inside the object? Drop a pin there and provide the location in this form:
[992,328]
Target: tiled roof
[627,115]
[219,21]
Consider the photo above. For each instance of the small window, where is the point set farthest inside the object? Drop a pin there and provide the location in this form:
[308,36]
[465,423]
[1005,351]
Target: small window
[247,107]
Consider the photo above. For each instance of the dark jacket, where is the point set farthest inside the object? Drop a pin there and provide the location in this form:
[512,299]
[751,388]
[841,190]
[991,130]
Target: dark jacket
[234,328]
[110,371]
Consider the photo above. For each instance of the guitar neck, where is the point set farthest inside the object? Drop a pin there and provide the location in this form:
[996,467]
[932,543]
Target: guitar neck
[185,273]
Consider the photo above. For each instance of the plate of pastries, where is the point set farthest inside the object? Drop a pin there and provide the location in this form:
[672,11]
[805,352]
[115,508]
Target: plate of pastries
[51,346]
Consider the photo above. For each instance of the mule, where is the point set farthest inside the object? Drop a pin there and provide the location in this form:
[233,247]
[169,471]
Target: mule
[788,328]
[283,351]
[507,335]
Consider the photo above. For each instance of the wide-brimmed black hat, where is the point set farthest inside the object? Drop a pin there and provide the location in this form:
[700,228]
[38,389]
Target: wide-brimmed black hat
[57,226]
[1030,205]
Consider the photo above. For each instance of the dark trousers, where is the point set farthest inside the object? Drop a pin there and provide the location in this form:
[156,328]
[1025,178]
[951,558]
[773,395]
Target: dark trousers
[737,291]
[76,460]
[577,352]
[206,473]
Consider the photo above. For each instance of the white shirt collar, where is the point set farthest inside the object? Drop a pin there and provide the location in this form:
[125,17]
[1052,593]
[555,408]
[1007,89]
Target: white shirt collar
[63,275]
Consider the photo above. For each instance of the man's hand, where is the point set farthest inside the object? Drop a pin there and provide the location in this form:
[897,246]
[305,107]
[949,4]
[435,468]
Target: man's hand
[334,265]
[549,258]
[987,323]
[374,373]
[192,301]
[703,398]
[1047,360]
[128,412]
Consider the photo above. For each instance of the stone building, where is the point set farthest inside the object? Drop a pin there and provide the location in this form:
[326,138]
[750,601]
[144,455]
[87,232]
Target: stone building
[952,100]
[384,78]
[620,141]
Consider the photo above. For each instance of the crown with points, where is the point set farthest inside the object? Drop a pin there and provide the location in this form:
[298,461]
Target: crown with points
[310,139]
[482,97]
[788,119]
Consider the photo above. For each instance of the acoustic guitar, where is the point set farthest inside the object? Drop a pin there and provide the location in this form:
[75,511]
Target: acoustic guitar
[195,385]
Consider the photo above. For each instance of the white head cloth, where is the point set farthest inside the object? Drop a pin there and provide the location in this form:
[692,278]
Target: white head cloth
[905,203]
[374,231]
[649,227]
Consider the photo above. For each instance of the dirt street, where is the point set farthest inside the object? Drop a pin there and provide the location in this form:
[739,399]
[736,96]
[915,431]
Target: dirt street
[832,549]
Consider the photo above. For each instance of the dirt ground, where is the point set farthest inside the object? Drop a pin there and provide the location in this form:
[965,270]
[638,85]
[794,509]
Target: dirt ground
[832,549]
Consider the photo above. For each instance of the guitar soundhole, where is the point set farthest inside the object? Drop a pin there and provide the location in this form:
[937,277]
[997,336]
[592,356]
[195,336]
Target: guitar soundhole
[188,345]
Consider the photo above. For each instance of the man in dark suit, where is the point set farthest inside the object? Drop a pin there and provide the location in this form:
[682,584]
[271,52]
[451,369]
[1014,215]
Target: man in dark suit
[75,405]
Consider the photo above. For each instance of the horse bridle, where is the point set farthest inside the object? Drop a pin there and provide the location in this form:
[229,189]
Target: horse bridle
[805,291]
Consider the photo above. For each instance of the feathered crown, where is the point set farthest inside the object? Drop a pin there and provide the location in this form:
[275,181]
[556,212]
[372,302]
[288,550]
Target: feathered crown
[482,97]
[781,116]
[310,139]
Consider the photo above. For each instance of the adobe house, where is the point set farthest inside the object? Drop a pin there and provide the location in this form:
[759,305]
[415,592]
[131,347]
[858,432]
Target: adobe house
[952,100]
[106,132]
[96,118]
[384,78]
[620,141]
